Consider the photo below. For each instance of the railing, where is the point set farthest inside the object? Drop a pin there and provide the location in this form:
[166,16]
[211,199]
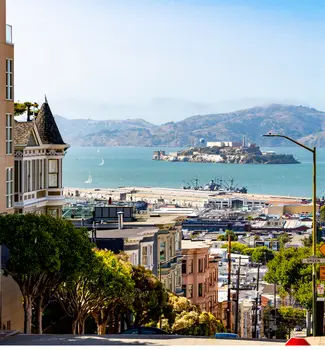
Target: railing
[8,34]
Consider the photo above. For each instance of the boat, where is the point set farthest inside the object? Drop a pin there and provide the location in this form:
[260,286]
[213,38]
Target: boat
[89,180]
[102,162]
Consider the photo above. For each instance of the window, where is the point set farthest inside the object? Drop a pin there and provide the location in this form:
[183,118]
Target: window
[184,290]
[200,290]
[8,134]
[9,187]
[200,265]
[162,251]
[9,79]
[190,270]
[53,173]
[190,290]
[184,266]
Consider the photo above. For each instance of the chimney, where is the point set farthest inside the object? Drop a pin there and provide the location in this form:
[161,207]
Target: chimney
[120,220]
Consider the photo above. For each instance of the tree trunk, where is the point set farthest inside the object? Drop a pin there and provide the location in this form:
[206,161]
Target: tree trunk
[39,315]
[74,326]
[28,304]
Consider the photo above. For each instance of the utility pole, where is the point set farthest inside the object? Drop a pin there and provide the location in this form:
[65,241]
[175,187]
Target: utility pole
[237,297]
[274,302]
[229,285]
[256,301]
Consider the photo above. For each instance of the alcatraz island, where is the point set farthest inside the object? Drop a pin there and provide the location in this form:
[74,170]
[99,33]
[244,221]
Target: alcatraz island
[225,152]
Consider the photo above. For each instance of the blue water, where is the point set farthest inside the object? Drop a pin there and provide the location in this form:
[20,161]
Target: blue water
[127,166]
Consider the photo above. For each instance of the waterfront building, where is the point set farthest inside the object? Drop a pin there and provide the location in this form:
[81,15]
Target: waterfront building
[200,275]
[11,311]
[39,150]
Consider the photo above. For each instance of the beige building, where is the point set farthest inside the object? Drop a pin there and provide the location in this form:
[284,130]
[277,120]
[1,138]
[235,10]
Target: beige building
[11,312]
[200,275]
[39,151]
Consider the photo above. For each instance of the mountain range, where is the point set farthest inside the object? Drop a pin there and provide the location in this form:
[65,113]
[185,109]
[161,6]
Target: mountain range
[300,122]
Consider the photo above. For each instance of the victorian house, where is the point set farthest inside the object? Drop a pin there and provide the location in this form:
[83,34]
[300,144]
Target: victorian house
[39,151]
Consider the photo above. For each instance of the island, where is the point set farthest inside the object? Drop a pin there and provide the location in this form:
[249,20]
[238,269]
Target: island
[225,152]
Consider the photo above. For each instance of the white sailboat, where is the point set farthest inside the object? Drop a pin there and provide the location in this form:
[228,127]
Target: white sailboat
[102,162]
[89,180]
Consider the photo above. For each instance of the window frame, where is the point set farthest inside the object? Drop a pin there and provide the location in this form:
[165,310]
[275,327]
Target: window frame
[9,79]
[51,173]
[9,188]
[9,134]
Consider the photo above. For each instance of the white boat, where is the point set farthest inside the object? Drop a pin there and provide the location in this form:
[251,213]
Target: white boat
[102,162]
[89,180]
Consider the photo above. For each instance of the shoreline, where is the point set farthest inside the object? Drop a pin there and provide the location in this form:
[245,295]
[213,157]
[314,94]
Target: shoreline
[186,198]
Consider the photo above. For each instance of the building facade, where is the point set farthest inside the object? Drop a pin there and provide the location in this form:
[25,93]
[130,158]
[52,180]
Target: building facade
[169,257]
[200,275]
[6,113]
[39,151]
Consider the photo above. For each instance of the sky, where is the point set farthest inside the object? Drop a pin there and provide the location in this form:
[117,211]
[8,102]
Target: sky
[165,60]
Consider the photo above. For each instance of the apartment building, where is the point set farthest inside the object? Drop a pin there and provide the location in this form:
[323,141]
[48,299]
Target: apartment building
[200,275]
[6,113]
[11,311]
[169,257]
[39,150]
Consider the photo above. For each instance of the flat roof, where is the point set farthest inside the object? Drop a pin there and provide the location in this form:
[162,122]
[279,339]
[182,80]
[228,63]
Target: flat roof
[189,244]
[126,232]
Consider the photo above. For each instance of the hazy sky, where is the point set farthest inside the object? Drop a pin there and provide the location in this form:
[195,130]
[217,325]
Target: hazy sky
[164,60]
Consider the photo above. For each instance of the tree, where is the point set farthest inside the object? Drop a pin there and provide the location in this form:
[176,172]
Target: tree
[225,236]
[291,317]
[151,297]
[41,257]
[30,107]
[291,274]
[93,289]
[322,213]
[262,255]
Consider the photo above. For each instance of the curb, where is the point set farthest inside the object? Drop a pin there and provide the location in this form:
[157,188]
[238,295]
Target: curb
[8,334]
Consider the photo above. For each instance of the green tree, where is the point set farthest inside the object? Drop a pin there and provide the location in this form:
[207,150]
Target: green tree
[262,255]
[291,274]
[95,287]
[290,317]
[151,297]
[41,257]
[224,237]
[31,108]
[322,213]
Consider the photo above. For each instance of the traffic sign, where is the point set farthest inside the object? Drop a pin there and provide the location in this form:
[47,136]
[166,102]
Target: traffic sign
[322,248]
[297,341]
[322,273]
[314,260]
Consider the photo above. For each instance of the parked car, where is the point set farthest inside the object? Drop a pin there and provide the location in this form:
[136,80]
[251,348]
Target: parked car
[144,330]
[226,336]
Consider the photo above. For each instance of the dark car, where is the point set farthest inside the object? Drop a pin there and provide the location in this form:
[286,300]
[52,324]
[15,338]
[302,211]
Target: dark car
[226,336]
[144,330]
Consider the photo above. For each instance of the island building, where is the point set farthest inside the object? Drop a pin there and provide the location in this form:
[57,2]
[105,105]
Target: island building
[11,312]
[39,150]
[200,275]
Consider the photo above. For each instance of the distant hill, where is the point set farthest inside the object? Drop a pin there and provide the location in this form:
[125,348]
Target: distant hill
[306,124]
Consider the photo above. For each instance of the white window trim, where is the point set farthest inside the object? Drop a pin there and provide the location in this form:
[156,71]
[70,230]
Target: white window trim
[9,134]
[9,188]
[149,246]
[9,80]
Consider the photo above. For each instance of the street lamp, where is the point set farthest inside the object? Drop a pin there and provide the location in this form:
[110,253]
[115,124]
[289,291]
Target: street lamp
[314,235]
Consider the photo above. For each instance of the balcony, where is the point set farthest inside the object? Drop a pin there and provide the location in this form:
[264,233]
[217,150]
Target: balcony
[8,34]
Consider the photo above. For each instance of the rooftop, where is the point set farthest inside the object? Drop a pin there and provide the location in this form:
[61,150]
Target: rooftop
[189,244]
[126,232]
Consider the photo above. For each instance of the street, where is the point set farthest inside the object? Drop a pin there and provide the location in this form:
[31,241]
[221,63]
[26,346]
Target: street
[23,339]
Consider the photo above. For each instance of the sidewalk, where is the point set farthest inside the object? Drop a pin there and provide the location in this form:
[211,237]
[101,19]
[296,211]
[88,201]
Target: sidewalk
[5,334]
[316,340]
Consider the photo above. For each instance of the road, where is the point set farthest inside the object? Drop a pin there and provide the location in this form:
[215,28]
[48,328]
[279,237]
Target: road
[23,339]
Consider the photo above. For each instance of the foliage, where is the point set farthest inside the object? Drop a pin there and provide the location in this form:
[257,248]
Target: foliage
[151,297]
[187,319]
[101,283]
[30,107]
[291,274]
[283,239]
[224,237]
[41,257]
[290,317]
[262,254]
[322,213]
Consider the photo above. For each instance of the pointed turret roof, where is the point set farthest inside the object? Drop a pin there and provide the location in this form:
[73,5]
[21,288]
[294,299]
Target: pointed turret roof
[46,126]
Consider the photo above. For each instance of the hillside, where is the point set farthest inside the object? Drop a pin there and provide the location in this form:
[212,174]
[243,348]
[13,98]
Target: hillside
[299,122]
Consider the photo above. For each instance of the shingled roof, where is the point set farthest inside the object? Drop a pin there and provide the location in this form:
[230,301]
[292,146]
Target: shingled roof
[46,126]
[22,133]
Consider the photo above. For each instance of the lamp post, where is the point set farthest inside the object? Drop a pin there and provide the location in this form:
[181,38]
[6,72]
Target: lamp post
[314,235]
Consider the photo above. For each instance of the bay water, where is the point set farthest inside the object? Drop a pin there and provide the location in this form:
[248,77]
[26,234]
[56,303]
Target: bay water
[133,166]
